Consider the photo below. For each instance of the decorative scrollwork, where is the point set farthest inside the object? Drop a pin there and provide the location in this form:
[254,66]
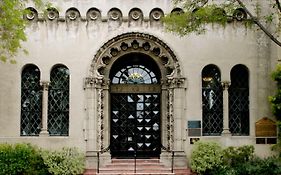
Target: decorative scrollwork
[170,118]
[100,118]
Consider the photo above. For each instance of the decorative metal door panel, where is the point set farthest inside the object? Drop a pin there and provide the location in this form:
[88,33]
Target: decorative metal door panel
[135,125]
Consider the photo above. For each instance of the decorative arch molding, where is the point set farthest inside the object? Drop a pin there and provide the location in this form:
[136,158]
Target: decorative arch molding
[140,43]
[97,86]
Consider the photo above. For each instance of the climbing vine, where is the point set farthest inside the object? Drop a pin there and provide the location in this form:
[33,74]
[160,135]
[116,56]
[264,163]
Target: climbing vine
[276,105]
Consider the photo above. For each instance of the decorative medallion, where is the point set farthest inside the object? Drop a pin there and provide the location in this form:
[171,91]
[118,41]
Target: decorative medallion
[156,14]
[239,14]
[115,14]
[135,14]
[93,14]
[52,14]
[31,14]
[72,14]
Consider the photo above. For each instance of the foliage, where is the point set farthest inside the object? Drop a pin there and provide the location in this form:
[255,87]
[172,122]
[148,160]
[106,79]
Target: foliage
[256,165]
[210,159]
[206,157]
[12,27]
[277,147]
[189,21]
[238,155]
[21,159]
[197,14]
[67,161]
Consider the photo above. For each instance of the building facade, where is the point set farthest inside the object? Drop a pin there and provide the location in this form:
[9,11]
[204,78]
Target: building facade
[105,75]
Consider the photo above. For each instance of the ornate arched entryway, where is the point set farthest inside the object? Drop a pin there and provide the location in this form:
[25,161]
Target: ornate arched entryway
[135,107]
[141,70]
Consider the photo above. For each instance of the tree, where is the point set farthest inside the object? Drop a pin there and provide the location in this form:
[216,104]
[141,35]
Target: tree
[12,27]
[198,13]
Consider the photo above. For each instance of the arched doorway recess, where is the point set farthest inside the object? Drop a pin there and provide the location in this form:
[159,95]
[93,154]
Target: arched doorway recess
[98,86]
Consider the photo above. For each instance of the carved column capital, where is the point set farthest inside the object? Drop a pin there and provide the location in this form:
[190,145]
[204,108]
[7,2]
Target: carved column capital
[175,81]
[96,82]
[225,85]
[45,85]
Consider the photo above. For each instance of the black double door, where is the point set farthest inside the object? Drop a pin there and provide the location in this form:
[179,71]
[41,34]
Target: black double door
[135,125]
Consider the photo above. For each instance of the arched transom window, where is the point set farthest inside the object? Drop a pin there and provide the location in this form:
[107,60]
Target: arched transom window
[135,74]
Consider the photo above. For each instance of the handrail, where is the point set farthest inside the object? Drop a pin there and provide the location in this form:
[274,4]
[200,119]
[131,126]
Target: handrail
[173,155]
[98,156]
[135,156]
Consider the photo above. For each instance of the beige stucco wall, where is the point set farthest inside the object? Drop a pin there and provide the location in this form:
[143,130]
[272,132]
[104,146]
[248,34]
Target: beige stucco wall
[75,45]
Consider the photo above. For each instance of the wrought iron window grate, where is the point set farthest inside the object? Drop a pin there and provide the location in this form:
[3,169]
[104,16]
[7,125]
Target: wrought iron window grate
[58,103]
[239,101]
[31,101]
[212,99]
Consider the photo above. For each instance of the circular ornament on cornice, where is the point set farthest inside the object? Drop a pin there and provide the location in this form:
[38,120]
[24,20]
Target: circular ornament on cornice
[52,14]
[115,14]
[135,14]
[31,14]
[72,14]
[156,14]
[240,14]
[93,14]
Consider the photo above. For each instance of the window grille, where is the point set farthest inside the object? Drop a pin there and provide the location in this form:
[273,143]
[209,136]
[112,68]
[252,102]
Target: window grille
[212,98]
[31,101]
[239,101]
[58,103]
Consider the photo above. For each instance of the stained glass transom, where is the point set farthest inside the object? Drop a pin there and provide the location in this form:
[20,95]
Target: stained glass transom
[135,74]
[212,98]
[58,103]
[239,101]
[31,101]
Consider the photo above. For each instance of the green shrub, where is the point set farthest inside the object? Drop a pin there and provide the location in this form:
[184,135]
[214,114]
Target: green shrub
[206,158]
[21,159]
[234,156]
[68,161]
[259,166]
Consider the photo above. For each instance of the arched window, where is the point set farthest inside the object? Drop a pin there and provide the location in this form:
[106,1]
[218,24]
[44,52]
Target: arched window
[212,98]
[58,101]
[239,101]
[135,74]
[31,101]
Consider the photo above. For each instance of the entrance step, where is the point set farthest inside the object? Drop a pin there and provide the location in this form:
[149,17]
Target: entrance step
[143,167]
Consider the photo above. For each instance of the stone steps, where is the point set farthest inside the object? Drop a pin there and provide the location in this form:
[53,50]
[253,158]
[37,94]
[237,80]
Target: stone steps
[143,167]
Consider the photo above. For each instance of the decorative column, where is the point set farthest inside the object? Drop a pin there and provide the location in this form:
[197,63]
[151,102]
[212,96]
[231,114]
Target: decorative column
[225,86]
[175,119]
[90,122]
[44,129]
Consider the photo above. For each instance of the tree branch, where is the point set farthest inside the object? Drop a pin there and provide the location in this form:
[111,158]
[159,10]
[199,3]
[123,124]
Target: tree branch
[278,5]
[261,26]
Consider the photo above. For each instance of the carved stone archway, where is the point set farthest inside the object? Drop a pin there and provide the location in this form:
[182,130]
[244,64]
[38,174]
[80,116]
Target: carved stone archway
[97,88]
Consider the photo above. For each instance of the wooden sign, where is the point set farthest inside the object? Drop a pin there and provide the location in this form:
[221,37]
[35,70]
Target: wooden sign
[266,128]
